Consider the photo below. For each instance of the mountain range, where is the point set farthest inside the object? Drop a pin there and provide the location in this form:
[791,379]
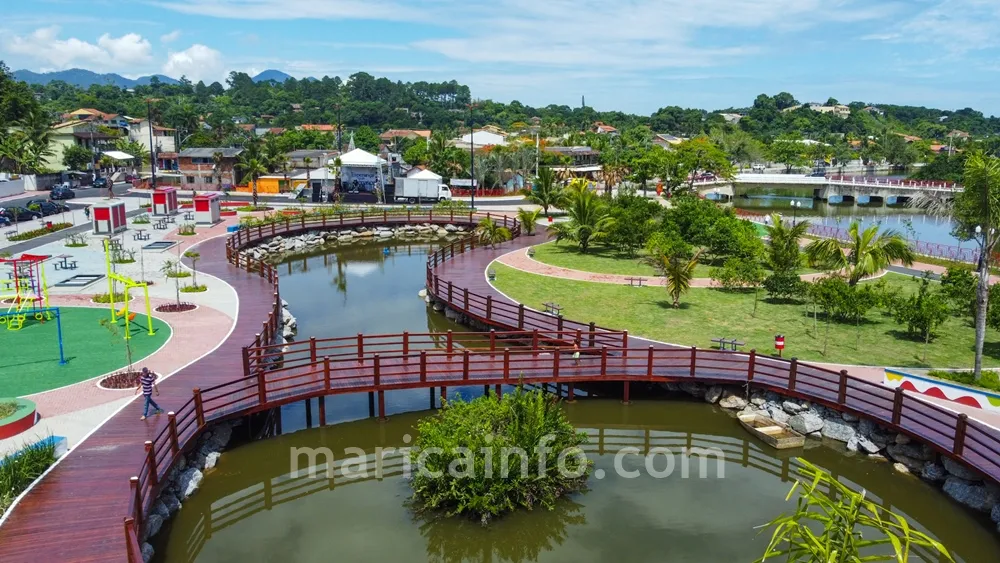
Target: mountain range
[85,78]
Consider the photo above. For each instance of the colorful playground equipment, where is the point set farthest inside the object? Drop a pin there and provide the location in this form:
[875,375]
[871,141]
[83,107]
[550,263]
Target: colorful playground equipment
[26,290]
[129,283]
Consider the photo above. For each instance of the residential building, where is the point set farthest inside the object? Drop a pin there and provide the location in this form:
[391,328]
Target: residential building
[666,140]
[76,132]
[956,134]
[840,110]
[481,138]
[581,156]
[99,118]
[604,129]
[910,138]
[874,110]
[197,168]
[163,137]
[408,134]
[731,117]
[316,156]
[318,127]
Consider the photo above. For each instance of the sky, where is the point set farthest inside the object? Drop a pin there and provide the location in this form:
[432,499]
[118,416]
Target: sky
[629,55]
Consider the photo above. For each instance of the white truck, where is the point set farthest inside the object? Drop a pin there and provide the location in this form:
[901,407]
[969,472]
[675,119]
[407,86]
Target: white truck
[412,190]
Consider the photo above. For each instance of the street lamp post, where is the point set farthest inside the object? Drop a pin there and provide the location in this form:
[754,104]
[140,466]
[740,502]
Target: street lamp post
[796,204]
[152,148]
[339,132]
[472,158]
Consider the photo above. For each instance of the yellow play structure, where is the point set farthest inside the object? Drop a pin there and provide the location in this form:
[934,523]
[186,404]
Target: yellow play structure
[129,283]
[30,292]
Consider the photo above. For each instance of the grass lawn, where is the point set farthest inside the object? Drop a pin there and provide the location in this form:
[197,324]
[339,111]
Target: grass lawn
[711,313]
[29,358]
[603,260]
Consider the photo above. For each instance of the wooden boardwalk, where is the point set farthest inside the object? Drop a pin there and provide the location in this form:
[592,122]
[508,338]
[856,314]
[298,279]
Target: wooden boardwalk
[77,513]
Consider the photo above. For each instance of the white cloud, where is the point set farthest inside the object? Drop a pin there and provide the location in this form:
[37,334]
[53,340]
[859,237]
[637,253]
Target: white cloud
[45,46]
[956,26]
[197,62]
[170,37]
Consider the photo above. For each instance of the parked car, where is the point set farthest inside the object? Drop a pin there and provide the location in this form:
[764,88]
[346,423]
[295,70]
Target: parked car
[62,191]
[100,183]
[19,214]
[4,221]
[706,176]
[47,207]
[818,174]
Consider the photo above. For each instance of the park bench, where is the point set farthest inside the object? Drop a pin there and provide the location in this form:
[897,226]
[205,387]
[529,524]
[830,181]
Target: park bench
[172,219]
[188,216]
[160,224]
[552,308]
[635,282]
[140,234]
[10,233]
[491,275]
[731,342]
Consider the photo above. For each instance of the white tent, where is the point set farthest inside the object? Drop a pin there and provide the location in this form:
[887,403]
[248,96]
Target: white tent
[426,175]
[118,155]
[358,157]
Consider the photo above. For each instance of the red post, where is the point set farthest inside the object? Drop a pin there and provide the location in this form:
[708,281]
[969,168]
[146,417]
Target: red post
[261,387]
[493,340]
[534,341]
[326,375]
[172,422]
[960,426]
[793,369]
[133,485]
[694,357]
[312,349]
[423,366]
[465,365]
[593,334]
[489,306]
[498,389]
[625,392]
[153,478]
[604,361]
[570,393]
[897,406]
[649,362]
[406,345]
[444,395]
[842,395]
[751,364]
[506,364]
[377,369]
[361,348]
[450,347]
[555,364]
[450,288]
[246,362]
[381,405]
[520,316]
[199,410]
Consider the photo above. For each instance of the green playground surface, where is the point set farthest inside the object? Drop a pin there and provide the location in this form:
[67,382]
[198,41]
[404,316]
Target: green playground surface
[29,358]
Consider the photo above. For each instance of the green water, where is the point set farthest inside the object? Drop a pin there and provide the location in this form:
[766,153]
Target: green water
[252,508]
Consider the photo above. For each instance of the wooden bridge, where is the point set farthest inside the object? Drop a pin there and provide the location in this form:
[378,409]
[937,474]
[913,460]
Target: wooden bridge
[98,495]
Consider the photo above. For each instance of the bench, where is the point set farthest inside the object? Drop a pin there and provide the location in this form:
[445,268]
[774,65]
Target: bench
[140,235]
[491,275]
[188,216]
[731,342]
[171,219]
[161,224]
[553,308]
[635,282]
[9,234]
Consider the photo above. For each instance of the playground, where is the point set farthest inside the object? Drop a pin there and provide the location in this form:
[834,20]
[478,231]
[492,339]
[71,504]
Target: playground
[30,357]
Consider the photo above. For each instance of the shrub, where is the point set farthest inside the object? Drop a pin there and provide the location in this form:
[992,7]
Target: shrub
[123,256]
[784,285]
[28,235]
[128,379]
[990,379]
[187,229]
[7,408]
[453,205]
[252,208]
[464,463]
[142,219]
[105,298]
[76,241]
[18,470]
[194,288]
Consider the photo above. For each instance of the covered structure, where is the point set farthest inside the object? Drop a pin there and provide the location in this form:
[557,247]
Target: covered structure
[362,172]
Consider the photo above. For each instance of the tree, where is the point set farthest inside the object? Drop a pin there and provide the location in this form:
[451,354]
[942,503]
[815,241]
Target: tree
[193,257]
[589,220]
[922,313]
[783,250]
[528,219]
[366,138]
[170,269]
[842,154]
[978,207]
[866,253]
[826,292]
[788,150]
[678,272]
[784,285]
[546,192]
[741,273]
[634,221]
[253,167]
[736,238]
[77,157]
[492,233]
[958,286]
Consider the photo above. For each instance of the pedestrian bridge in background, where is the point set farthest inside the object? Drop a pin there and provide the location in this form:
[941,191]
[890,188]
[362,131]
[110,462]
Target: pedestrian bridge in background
[835,188]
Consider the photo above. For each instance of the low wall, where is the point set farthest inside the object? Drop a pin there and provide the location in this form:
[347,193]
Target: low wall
[937,388]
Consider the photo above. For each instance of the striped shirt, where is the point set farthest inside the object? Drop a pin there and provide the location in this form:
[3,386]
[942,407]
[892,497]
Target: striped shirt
[147,383]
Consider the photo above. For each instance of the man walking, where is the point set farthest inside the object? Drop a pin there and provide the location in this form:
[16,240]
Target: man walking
[147,383]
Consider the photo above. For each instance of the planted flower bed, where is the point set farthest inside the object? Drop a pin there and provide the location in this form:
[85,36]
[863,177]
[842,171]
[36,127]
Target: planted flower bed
[28,235]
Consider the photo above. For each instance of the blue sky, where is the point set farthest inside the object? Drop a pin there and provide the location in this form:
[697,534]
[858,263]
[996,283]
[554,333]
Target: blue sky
[630,55]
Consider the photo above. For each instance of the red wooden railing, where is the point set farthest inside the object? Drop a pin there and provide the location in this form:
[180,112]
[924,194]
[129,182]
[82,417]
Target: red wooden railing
[380,363]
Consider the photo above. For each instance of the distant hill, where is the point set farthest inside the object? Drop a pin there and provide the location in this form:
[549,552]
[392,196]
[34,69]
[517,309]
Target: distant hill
[84,78]
[271,74]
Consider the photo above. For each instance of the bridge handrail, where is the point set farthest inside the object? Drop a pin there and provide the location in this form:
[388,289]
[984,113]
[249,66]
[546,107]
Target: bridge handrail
[949,432]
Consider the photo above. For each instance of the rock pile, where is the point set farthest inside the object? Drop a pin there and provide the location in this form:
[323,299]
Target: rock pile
[184,479]
[280,247]
[860,437]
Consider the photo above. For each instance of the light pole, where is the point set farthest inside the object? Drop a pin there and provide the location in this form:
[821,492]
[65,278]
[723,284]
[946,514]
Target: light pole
[152,148]
[472,158]
[796,204]
[339,132]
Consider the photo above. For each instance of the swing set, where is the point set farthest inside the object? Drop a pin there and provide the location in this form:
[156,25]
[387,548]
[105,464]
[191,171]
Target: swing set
[129,283]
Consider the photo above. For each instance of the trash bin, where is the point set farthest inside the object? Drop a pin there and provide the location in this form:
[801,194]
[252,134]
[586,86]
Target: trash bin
[48,225]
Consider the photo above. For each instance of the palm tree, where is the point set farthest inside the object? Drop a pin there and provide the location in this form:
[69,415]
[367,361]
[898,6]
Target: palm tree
[193,257]
[866,254]
[678,272]
[528,218]
[492,233]
[252,166]
[169,269]
[589,219]
[546,192]
[783,249]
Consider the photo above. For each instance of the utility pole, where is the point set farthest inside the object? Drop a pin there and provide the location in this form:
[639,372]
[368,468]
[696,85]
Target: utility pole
[93,152]
[152,147]
[472,157]
[339,131]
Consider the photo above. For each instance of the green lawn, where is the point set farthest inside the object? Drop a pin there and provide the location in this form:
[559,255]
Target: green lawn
[29,358]
[604,260]
[710,313]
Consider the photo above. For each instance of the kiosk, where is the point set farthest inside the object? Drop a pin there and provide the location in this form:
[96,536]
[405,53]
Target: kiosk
[207,208]
[165,201]
[108,217]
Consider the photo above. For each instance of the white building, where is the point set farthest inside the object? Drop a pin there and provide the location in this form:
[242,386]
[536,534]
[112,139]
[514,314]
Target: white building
[482,139]
[163,137]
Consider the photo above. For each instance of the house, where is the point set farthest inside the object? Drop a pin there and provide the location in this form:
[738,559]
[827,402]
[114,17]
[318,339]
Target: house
[481,138]
[91,115]
[318,127]
[197,168]
[666,140]
[959,134]
[408,134]
[261,131]
[163,137]
[281,183]
[840,110]
[296,108]
[731,117]
[581,156]
[603,129]
[87,134]
[874,110]
[316,157]
[909,138]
